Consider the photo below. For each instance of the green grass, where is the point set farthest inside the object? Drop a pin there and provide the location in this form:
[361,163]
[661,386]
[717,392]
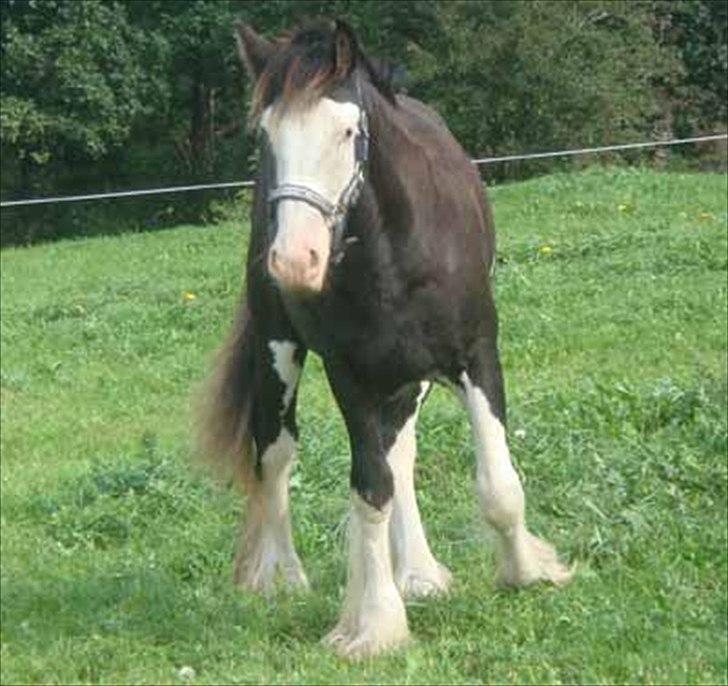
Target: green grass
[116,555]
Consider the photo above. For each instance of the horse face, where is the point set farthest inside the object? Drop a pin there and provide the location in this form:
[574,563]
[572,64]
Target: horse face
[313,147]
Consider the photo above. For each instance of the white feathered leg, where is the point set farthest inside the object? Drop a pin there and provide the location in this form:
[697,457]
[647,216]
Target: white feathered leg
[416,572]
[373,618]
[522,557]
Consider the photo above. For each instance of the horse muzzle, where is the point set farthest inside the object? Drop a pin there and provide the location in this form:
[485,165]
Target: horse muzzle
[300,271]
[298,257]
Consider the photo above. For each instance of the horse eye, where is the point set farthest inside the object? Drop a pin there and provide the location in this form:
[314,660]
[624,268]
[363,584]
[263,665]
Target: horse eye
[349,132]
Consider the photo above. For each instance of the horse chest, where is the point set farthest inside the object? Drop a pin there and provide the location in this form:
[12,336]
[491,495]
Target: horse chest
[385,339]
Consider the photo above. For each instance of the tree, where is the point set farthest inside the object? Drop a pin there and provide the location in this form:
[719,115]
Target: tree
[75,78]
[696,32]
[105,94]
[512,76]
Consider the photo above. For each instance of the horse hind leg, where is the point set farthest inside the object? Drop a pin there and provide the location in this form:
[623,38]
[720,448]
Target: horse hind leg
[266,549]
[416,571]
[523,558]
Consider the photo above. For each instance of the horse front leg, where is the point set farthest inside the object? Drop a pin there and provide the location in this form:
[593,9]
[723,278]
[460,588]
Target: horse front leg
[373,618]
[266,549]
[416,572]
[523,558]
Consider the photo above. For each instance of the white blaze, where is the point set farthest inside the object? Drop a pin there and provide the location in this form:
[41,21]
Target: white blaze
[313,147]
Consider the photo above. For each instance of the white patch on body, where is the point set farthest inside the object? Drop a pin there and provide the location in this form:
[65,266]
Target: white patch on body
[267,548]
[416,572]
[313,147]
[373,618]
[286,367]
[523,558]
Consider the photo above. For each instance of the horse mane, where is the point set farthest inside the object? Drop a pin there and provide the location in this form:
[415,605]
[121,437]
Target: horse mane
[303,68]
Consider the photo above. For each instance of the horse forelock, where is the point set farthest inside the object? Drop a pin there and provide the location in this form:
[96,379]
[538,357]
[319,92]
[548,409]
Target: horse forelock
[303,69]
[300,71]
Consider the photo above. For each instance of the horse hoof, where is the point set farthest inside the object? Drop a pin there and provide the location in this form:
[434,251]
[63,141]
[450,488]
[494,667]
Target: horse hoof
[358,646]
[537,561]
[369,633]
[425,583]
[265,579]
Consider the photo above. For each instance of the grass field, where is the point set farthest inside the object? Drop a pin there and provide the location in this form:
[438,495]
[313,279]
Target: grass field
[116,555]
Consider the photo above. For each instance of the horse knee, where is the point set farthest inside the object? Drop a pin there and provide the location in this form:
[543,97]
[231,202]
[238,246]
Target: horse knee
[373,481]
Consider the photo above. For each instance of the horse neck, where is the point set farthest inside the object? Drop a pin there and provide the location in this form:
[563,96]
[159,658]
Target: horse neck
[392,173]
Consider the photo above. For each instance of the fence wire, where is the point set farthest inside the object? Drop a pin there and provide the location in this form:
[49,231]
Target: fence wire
[477,162]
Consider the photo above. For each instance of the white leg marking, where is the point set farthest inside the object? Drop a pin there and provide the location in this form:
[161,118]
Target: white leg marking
[416,572]
[373,618]
[286,367]
[523,558]
[267,545]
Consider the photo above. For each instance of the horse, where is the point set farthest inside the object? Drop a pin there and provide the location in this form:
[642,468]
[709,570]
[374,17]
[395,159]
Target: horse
[372,245]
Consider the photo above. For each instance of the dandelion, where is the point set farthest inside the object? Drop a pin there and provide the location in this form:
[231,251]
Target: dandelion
[705,216]
[188,296]
[545,250]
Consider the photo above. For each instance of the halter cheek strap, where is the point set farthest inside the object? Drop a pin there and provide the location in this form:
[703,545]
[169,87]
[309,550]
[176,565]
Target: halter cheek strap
[334,214]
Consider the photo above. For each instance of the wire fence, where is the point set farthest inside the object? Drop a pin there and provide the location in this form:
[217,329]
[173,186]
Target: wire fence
[477,162]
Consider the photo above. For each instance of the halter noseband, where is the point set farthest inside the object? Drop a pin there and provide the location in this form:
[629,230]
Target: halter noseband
[334,214]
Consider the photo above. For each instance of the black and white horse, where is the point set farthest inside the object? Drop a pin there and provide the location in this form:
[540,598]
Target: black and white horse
[372,244]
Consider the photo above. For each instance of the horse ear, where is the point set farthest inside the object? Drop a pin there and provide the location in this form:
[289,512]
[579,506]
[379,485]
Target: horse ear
[254,50]
[346,49]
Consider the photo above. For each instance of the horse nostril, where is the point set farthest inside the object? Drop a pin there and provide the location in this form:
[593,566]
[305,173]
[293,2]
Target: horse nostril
[313,259]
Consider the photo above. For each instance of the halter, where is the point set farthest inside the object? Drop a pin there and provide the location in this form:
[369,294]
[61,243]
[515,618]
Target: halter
[334,214]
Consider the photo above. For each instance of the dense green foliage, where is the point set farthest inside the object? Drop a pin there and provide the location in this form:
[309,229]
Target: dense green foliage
[116,556]
[75,79]
[100,95]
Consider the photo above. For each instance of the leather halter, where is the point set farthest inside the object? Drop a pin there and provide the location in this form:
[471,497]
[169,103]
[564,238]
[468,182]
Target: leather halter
[334,214]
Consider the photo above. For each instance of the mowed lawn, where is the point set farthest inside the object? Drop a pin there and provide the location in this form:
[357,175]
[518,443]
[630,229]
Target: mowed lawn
[116,553]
